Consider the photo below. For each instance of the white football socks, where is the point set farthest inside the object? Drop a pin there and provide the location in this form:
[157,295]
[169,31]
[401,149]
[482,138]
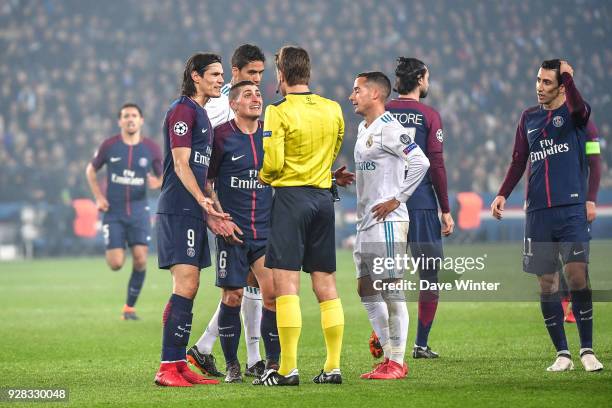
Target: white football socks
[378,315]
[207,341]
[251,319]
[398,328]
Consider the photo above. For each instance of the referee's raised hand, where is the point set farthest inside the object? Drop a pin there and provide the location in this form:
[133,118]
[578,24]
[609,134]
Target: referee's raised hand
[343,177]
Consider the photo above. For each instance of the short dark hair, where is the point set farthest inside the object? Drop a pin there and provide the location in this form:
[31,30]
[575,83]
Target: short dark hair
[235,91]
[379,79]
[129,105]
[555,65]
[197,62]
[407,74]
[245,54]
[294,63]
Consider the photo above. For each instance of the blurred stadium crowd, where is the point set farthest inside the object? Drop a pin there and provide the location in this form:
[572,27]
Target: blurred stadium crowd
[67,66]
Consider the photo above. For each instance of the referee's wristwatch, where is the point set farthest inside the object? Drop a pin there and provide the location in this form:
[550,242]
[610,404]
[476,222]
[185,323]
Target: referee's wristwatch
[334,190]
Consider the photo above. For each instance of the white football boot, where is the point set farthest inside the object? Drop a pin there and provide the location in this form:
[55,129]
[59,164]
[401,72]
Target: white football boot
[589,361]
[562,363]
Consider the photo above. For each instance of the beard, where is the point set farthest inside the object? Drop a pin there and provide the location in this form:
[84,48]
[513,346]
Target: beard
[423,93]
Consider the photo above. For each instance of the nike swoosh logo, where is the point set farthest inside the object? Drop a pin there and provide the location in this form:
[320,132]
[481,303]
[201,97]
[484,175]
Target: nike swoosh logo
[115,159]
[532,130]
[550,318]
[578,253]
[586,311]
[204,130]
[225,328]
[273,335]
[237,158]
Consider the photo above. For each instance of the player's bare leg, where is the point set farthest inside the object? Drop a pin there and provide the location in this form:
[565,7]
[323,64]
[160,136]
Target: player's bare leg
[332,322]
[115,258]
[268,327]
[139,267]
[582,306]
[177,319]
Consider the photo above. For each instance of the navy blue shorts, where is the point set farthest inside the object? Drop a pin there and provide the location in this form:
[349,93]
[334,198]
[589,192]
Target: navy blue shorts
[234,261]
[182,240]
[119,230]
[425,237]
[302,230]
[555,231]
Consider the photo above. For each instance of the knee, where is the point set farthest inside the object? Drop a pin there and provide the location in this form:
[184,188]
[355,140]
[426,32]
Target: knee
[325,293]
[115,264]
[548,287]
[187,289]
[577,282]
[140,263]
[365,287]
[232,298]
[269,302]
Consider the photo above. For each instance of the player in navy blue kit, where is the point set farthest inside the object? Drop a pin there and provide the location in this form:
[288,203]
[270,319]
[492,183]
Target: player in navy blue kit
[236,160]
[130,159]
[559,143]
[425,233]
[248,64]
[184,211]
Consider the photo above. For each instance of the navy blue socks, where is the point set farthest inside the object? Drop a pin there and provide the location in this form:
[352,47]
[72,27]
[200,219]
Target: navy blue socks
[552,311]
[269,334]
[229,331]
[176,328]
[582,306]
[135,286]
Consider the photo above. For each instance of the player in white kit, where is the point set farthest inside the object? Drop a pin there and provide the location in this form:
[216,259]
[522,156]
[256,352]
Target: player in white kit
[389,166]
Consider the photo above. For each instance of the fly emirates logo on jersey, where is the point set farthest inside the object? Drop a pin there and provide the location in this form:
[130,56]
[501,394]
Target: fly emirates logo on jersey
[128,178]
[203,159]
[250,183]
[548,148]
[365,165]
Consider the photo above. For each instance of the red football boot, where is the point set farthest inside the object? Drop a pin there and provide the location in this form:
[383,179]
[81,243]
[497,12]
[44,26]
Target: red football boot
[169,376]
[192,377]
[377,368]
[391,371]
[375,348]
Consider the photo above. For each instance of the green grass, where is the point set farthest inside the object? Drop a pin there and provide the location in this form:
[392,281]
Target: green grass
[61,328]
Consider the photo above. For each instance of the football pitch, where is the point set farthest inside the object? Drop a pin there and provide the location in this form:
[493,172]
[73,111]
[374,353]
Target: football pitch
[61,329]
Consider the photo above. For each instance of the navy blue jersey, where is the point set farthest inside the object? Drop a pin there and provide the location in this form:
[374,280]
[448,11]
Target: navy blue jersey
[556,149]
[186,125]
[235,163]
[126,168]
[425,127]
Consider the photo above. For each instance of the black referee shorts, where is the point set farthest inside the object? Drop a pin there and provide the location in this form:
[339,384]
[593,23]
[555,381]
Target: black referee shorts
[302,230]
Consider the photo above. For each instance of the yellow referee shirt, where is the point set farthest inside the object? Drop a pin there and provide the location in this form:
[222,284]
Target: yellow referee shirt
[302,137]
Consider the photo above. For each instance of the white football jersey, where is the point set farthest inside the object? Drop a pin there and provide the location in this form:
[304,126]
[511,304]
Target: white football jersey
[218,109]
[388,164]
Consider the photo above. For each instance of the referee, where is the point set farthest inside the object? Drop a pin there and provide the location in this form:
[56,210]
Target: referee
[302,137]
